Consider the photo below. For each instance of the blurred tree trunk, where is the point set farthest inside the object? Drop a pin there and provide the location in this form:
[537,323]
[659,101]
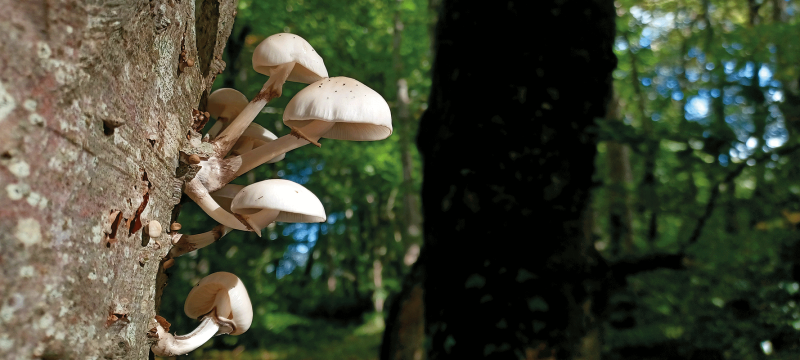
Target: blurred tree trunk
[404,336]
[648,195]
[620,177]
[412,221]
[508,143]
[95,102]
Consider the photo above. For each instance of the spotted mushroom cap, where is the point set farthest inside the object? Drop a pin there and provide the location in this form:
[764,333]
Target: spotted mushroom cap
[359,113]
[285,48]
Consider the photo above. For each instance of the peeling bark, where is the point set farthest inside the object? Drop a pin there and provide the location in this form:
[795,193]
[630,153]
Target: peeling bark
[95,103]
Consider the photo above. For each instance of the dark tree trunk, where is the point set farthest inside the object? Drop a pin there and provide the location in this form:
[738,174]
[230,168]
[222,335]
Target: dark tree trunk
[508,146]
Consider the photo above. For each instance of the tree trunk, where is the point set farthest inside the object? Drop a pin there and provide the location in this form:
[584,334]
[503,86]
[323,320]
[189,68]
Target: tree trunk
[96,101]
[620,177]
[508,146]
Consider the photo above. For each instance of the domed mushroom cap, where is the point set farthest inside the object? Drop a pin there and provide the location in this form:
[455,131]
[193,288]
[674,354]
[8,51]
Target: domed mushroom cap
[295,202]
[226,103]
[225,292]
[258,132]
[285,48]
[359,113]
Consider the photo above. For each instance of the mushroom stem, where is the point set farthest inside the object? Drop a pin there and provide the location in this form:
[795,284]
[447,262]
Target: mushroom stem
[189,243]
[245,145]
[253,158]
[260,219]
[272,89]
[218,126]
[170,345]
[200,195]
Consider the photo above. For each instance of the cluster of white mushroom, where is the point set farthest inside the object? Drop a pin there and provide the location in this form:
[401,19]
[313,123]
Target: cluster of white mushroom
[334,108]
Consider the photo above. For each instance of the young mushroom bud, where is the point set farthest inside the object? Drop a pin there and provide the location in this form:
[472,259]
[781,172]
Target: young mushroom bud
[222,303]
[154,229]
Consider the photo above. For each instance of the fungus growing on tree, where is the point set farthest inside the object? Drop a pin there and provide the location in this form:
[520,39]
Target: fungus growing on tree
[221,300]
[253,137]
[258,204]
[267,201]
[282,57]
[335,108]
[225,104]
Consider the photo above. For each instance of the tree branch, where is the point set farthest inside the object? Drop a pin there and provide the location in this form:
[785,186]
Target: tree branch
[631,266]
[701,222]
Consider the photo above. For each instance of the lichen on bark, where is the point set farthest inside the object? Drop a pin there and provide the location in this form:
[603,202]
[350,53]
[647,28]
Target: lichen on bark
[95,107]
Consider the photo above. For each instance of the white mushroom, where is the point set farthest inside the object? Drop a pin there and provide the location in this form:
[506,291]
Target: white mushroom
[267,201]
[222,301]
[225,104]
[335,108]
[282,57]
[253,137]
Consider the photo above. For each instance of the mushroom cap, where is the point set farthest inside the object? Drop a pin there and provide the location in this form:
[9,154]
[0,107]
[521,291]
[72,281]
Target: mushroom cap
[359,113]
[259,132]
[226,103]
[295,202]
[285,48]
[225,195]
[225,292]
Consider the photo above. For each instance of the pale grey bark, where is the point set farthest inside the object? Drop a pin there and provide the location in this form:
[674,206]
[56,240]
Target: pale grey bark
[95,102]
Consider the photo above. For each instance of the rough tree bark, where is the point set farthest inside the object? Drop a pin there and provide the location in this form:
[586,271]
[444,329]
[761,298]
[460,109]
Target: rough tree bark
[96,102]
[508,148]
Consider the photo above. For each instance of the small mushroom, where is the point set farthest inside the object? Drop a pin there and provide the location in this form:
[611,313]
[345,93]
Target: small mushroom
[221,300]
[282,57]
[225,104]
[253,137]
[154,229]
[335,108]
[258,205]
[267,201]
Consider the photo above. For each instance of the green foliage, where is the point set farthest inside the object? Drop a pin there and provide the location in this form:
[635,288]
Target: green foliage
[691,106]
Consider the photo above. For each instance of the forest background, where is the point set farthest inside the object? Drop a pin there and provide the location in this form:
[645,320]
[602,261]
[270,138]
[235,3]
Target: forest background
[695,198]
